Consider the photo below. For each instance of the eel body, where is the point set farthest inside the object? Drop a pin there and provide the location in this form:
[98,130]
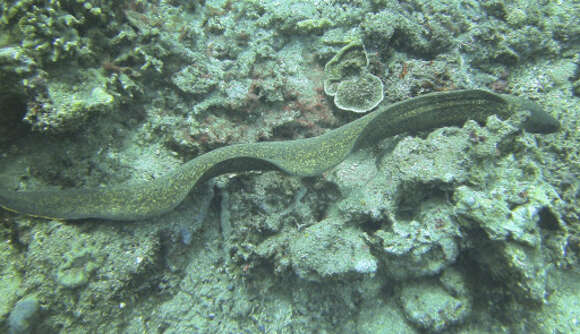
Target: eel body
[302,157]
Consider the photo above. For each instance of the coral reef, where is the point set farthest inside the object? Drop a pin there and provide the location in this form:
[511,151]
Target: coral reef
[359,95]
[51,40]
[460,230]
[346,77]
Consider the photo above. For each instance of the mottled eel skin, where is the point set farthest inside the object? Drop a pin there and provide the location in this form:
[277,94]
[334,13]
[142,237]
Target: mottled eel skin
[302,157]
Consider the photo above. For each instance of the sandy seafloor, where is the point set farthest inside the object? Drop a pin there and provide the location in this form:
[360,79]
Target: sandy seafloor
[469,229]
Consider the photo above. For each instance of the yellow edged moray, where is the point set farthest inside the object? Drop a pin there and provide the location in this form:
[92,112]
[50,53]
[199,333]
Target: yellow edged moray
[301,157]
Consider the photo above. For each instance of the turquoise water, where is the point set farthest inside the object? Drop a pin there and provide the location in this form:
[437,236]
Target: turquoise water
[470,229]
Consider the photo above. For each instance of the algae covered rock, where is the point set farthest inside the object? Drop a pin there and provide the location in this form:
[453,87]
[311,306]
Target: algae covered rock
[520,215]
[70,99]
[325,250]
[432,305]
[313,25]
[420,247]
[378,29]
[11,287]
[379,317]
[55,31]
[329,249]
[425,206]
[197,79]
[346,77]
[408,191]
[23,315]
[72,278]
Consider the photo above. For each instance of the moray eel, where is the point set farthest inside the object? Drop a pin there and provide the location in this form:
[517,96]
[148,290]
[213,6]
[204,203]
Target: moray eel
[302,157]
